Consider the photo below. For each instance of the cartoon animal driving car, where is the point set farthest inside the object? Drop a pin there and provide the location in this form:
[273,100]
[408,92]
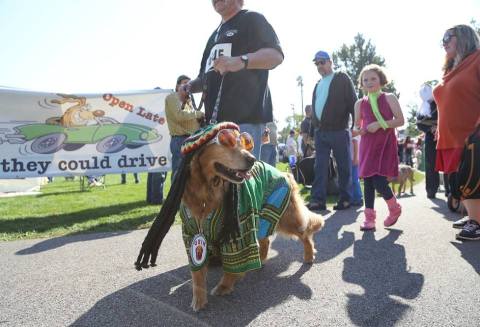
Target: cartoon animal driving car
[77,115]
[109,135]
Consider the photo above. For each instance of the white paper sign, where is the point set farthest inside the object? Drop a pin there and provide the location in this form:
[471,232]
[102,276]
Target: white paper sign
[54,134]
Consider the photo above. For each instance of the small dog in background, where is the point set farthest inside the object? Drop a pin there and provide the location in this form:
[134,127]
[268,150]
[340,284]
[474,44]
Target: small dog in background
[405,173]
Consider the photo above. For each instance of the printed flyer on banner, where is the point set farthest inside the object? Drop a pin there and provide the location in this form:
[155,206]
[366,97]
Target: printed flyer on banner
[55,134]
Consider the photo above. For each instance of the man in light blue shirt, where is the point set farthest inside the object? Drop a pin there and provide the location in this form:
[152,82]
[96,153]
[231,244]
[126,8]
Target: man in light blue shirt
[333,101]
[322,93]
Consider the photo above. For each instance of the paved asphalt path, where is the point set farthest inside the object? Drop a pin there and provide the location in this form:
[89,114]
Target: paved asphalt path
[414,274]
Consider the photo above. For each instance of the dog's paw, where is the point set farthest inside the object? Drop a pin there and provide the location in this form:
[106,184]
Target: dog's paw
[308,259]
[199,302]
[221,290]
[309,255]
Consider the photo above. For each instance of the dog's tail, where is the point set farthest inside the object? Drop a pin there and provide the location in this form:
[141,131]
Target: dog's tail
[315,222]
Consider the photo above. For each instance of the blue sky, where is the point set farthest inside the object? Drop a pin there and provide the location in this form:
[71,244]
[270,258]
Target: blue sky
[80,46]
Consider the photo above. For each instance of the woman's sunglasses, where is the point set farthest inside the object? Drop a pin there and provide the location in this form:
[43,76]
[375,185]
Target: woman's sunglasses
[231,138]
[447,37]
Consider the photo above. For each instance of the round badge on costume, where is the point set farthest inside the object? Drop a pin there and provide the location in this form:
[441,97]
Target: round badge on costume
[198,250]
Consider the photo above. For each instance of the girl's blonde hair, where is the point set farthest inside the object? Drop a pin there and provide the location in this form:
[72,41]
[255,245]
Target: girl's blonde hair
[377,69]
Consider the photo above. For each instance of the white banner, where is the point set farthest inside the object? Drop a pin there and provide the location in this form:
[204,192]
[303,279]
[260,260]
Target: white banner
[54,134]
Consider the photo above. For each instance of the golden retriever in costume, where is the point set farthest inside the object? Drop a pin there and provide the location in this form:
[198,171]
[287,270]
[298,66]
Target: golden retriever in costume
[230,204]
[405,173]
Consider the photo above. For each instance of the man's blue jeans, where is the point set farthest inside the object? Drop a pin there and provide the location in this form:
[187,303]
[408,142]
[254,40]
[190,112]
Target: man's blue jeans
[339,143]
[357,196]
[269,154]
[155,187]
[255,130]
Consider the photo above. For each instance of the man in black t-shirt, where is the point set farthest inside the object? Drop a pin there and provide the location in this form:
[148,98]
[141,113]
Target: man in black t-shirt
[239,54]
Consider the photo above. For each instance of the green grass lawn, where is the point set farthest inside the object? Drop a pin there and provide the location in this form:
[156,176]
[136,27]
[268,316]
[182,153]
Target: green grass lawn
[63,209]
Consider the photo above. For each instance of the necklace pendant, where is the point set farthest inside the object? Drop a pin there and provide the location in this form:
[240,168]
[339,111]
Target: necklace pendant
[198,250]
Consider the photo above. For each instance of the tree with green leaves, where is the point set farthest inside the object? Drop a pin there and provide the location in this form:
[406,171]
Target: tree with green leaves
[352,58]
[412,129]
[293,122]
[475,25]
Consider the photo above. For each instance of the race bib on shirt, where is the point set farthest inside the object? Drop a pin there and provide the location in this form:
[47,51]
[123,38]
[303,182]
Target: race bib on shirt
[221,49]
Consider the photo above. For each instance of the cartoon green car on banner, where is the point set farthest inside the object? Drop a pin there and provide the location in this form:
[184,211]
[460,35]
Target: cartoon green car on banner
[109,135]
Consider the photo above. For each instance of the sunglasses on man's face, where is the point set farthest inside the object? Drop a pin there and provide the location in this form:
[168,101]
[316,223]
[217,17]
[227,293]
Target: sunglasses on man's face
[320,62]
[447,38]
[231,138]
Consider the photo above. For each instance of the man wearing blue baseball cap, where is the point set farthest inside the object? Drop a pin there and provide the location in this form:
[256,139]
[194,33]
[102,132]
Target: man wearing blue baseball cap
[333,100]
[321,55]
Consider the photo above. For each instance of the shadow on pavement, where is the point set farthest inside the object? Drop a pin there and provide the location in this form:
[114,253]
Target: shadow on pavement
[164,300]
[380,268]
[53,243]
[51,222]
[440,206]
[57,242]
[470,252]
[327,241]
[94,233]
[405,195]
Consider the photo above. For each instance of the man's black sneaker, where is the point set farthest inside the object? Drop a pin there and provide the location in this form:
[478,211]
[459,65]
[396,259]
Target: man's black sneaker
[341,205]
[471,231]
[357,203]
[316,206]
[460,223]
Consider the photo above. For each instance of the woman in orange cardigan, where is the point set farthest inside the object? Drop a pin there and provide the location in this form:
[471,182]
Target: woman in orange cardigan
[458,101]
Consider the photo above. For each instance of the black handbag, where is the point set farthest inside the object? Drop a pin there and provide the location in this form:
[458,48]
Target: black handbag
[468,175]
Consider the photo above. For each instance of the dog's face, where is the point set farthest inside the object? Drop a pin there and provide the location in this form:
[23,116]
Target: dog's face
[405,172]
[86,115]
[229,163]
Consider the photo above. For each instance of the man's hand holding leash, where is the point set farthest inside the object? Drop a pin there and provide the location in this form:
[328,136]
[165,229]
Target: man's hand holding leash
[225,64]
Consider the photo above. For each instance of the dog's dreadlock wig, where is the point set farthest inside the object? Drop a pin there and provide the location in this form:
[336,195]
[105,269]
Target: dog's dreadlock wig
[166,216]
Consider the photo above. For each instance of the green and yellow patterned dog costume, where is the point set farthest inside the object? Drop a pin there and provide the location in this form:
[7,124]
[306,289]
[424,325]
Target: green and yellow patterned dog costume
[262,200]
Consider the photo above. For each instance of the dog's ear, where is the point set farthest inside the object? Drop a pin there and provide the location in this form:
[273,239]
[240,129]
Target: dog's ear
[194,165]
[195,168]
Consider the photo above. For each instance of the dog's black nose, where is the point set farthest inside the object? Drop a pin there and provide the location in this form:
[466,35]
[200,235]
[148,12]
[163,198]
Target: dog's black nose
[250,159]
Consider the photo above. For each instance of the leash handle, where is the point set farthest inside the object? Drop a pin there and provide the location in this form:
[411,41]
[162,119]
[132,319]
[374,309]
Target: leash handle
[216,108]
[194,104]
